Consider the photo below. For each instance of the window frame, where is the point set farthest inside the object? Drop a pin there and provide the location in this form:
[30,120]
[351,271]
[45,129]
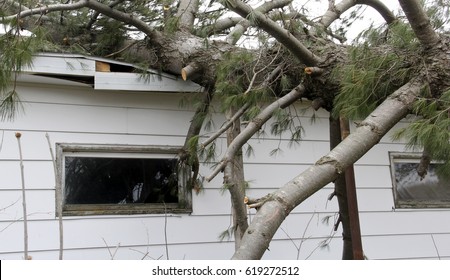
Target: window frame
[411,203]
[184,204]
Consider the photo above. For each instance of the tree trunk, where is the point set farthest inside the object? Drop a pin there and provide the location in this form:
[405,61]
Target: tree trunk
[280,203]
[352,201]
[340,192]
[235,182]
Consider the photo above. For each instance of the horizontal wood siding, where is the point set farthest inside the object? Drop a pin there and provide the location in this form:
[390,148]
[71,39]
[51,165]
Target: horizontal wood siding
[87,116]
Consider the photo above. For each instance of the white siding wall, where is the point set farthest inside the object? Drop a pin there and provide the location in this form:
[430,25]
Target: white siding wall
[82,115]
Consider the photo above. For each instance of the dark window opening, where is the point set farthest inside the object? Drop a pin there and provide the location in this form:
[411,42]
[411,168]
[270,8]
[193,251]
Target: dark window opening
[100,179]
[90,180]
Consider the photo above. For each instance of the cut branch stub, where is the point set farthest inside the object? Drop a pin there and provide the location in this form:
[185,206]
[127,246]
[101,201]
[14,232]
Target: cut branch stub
[317,103]
[190,70]
[258,202]
[314,71]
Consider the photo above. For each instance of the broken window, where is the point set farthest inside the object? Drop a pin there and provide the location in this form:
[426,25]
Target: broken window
[96,179]
[412,191]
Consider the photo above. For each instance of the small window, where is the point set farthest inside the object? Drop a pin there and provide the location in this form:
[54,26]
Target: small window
[98,179]
[411,191]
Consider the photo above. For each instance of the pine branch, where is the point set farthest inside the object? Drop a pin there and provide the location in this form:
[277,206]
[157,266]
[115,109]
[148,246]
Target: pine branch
[244,24]
[420,22]
[186,14]
[95,5]
[335,11]
[282,35]
[254,126]
[286,198]
[96,14]
[242,110]
[225,126]
[42,10]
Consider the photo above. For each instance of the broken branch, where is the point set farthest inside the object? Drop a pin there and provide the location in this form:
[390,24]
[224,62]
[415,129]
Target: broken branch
[255,125]
[190,70]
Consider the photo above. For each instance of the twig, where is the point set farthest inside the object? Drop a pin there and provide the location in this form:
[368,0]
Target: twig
[165,232]
[303,236]
[435,247]
[243,109]
[1,141]
[96,14]
[109,251]
[24,203]
[225,126]
[58,191]
[122,50]
[255,125]
[324,243]
[115,251]
[146,254]
[255,73]
[12,204]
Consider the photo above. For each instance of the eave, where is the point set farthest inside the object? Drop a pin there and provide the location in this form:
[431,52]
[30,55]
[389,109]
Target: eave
[101,74]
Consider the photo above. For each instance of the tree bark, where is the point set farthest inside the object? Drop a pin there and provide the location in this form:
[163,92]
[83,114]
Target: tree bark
[352,201]
[271,27]
[255,125]
[186,14]
[340,192]
[335,11]
[280,203]
[420,22]
[235,182]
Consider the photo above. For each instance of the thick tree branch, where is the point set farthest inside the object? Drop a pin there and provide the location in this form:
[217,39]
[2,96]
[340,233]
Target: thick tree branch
[254,126]
[123,17]
[244,24]
[96,14]
[270,78]
[229,22]
[223,24]
[335,11]
[235,182]
[237,31]
[273,212]
[225,126]
[186,14]
[42,10]
[282,35]
[187,155]
[420,22]
[95,5]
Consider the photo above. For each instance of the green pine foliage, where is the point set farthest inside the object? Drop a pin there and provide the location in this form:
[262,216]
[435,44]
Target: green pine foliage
[374,71]
[16,54]
[431,130]
[231,79]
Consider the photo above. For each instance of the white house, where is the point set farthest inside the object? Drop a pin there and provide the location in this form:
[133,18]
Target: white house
[109,124]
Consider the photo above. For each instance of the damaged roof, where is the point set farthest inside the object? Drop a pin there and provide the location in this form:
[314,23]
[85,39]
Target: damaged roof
[102,74]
